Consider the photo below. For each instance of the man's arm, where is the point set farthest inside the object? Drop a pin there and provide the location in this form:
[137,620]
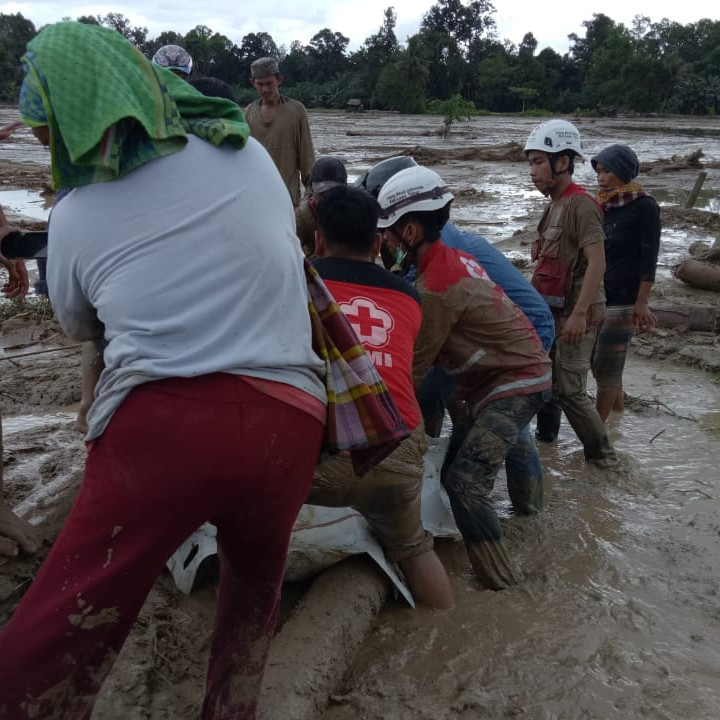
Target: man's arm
[306,150]
[434,331]
[18,282]
[650,229]
[575,326]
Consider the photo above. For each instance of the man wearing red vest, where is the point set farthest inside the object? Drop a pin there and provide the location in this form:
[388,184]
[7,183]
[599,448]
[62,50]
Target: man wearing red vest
[386,315]
[570,256]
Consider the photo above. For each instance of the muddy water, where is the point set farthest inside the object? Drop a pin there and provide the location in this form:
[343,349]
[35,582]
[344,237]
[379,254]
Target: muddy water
[496,198]
[618,615]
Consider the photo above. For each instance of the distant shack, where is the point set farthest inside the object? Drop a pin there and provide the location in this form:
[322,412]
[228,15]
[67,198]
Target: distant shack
[355,105]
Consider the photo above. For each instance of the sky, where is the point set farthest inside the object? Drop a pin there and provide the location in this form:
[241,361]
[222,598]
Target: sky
[288,20]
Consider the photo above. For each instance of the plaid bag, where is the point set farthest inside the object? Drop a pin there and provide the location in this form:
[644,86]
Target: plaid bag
[362,417]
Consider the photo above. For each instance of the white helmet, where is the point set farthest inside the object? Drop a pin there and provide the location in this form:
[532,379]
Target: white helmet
[415,189]
[555,136]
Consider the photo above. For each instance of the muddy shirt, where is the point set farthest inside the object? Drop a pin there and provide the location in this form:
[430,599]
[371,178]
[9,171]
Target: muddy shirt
[569,224]
[287,138]
[385,313]
[475,332]
[632,244]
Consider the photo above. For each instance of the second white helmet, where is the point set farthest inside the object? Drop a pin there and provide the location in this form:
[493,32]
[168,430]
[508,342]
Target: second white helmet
[415,189]
[555,136]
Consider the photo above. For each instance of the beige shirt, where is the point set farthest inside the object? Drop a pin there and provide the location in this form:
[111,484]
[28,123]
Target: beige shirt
[568,225]
[287,138]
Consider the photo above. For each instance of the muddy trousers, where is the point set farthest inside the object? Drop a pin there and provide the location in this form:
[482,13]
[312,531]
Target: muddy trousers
[435,394]
[571,364]
[176,453]
[478,447]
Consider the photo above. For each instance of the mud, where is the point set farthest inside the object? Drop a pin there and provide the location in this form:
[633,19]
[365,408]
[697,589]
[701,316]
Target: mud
[617,615]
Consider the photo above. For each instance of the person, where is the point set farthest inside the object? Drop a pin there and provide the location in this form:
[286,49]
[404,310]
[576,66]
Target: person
[281,124]
[632,242]
[385,313]
[570,256]
[435,392]
[484,341]
[175,59]
[91,362]
[212,402]
[326,173]
[15,533]
[213,87]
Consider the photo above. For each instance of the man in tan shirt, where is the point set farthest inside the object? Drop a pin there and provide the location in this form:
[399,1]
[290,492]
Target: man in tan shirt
[281,125]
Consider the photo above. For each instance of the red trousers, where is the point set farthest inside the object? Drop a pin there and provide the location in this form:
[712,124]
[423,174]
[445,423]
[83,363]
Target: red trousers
[176,453]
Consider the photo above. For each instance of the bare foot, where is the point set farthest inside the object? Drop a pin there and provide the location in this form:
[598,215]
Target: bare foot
[16,533]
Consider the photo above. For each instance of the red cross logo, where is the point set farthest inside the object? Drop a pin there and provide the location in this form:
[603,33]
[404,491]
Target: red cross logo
[474,269]
[371,323]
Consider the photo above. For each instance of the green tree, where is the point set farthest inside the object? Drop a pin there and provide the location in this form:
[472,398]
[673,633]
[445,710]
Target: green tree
[525,94]
[376,52]
[462,22]
[117,21]
[453,110]
[327,53]
[15,32]
[402,85]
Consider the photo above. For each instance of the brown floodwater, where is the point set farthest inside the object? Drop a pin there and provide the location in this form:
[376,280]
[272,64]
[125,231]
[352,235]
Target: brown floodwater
[618,613]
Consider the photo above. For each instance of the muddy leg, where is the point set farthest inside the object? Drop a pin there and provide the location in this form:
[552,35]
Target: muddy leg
[476,453]
[525,474]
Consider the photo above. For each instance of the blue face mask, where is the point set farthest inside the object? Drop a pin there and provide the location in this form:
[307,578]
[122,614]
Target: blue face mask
[400,255]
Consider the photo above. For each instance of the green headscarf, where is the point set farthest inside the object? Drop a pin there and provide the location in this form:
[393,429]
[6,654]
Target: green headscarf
[109,109]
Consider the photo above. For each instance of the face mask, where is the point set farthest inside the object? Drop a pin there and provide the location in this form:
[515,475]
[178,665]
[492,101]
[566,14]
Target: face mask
[400,255]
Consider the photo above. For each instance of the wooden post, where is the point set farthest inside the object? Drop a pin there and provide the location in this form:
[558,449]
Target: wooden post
[702,176]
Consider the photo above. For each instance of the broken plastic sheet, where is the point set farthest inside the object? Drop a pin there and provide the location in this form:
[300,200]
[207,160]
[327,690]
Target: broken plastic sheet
[324,536]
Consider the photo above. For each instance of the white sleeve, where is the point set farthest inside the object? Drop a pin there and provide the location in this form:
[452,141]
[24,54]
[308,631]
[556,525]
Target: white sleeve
[74,311]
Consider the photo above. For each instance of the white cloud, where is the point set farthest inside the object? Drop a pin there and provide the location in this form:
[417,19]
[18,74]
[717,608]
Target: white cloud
[357,19]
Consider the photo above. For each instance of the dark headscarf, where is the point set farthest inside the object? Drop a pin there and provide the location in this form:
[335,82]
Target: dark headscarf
[619,159]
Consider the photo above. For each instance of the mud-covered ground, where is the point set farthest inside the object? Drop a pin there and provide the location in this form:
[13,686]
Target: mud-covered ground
[618,615]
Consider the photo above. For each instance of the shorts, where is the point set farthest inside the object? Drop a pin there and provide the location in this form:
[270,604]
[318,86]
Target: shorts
[388,496]
[614,335]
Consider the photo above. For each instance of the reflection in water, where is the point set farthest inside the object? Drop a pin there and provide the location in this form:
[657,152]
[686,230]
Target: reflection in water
[30,203]
[618,614]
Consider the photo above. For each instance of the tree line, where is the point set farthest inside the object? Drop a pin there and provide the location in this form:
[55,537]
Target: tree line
[650,67]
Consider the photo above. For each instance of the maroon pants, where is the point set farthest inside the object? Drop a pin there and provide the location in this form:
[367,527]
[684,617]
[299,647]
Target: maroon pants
[176,453]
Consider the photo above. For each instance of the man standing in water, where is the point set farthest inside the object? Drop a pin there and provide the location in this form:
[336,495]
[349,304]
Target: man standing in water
[487,344]
[386,314]
[281,125]
[570,258]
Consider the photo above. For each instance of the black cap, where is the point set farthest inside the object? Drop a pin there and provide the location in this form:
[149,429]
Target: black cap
[373,180]
[326,173]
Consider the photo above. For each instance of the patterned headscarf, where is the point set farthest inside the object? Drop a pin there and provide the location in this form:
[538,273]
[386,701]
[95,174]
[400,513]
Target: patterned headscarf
[109,109]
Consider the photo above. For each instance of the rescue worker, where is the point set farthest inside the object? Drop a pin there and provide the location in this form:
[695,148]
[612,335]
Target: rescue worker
[385,313]
[485,342]
[435,392]
[570,256]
